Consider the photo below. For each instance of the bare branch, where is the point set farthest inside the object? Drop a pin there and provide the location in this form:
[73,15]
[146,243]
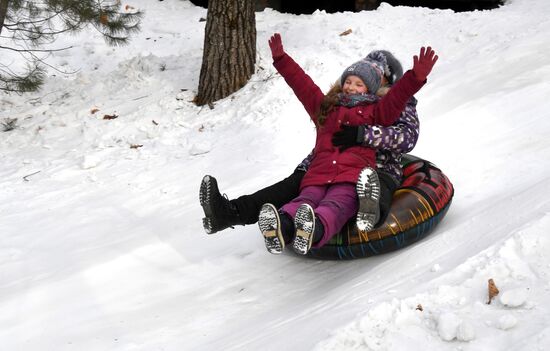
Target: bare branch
[35,50]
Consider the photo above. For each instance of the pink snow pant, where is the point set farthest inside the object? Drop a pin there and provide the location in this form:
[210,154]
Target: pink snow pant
[333,204]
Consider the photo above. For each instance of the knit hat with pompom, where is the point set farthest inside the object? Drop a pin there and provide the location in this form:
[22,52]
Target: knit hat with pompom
[394,70]
[370,70]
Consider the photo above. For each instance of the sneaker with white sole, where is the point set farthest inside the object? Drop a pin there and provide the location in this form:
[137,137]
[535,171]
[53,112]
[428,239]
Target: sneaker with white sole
[368,191]
[270,226]
[304,223]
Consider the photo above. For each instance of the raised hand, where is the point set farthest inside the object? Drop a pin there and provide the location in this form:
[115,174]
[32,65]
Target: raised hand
[276,46]
[423,64]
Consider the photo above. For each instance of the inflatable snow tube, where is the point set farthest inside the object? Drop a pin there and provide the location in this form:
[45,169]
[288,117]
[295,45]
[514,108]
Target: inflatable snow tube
[418,205]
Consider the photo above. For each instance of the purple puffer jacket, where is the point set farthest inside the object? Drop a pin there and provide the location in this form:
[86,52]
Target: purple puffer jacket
[390,142]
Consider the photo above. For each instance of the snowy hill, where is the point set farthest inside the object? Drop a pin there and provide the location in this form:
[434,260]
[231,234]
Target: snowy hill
[102,246]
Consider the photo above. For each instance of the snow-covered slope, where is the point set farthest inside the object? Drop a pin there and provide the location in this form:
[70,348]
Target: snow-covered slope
[101,242]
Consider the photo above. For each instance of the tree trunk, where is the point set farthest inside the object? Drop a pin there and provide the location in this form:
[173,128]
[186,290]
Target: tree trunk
[3,12]
[229,51]
[261,5]
[361,5]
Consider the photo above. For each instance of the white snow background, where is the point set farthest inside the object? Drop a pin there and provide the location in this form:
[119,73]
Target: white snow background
[102,246]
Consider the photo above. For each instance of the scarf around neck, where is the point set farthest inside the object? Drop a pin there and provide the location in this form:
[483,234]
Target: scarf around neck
[352,100]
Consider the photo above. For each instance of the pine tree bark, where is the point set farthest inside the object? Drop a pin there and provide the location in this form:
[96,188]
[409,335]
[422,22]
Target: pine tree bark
[3,12]
[229,49]
[361,5]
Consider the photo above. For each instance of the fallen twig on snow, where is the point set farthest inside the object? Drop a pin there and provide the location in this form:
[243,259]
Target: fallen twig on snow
[26,178]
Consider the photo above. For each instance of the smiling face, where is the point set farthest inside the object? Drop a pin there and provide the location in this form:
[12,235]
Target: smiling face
[354,85]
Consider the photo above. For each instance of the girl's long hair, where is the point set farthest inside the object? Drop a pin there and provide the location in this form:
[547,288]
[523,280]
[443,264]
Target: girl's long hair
[329,101]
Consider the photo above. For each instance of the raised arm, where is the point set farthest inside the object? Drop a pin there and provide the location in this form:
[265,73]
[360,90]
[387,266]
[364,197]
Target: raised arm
[387,111]
[303,86]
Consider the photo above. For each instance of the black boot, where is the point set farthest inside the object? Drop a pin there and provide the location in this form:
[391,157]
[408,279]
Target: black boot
[269,223]
[219,211]
[287,227]
[319,230]
[304,222]
[368,191]
[309,229]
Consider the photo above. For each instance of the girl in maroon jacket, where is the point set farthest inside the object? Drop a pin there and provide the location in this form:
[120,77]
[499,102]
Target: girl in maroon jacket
[328,197]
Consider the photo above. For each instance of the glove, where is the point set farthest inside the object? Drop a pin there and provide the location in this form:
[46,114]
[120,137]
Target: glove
[423,64]
[348,137]
[276,46]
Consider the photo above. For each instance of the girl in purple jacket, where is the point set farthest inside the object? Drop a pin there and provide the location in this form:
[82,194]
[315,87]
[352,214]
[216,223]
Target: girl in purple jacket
[328,196]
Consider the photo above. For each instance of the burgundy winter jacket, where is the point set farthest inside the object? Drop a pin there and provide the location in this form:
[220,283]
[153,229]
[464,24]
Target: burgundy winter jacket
[330,166]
